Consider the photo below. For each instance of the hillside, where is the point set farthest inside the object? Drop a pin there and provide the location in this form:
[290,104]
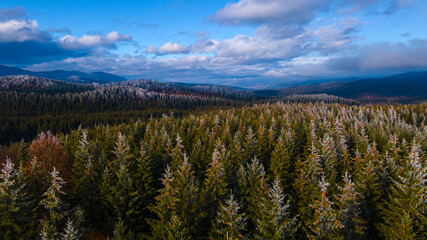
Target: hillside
[404,88]
[37,84]
[69,76]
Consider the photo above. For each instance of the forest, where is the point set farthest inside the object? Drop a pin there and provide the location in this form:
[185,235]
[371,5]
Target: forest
[296,168]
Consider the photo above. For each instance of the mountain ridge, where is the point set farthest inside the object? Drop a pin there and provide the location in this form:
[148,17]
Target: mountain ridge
[69,76]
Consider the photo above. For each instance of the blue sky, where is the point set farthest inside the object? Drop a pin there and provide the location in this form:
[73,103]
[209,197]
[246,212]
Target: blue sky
[252,43]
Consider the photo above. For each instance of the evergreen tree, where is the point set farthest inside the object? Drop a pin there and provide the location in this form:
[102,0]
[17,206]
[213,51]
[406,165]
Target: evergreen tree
[82,156]
[403,216]
[143,180]
[120,231]
[188,205]
[15,211]
[280,165]
[70,233]
[229,223]
[53,204]
[167,226]
[349,210]
[215,187]
[253,187]
[274,222]
[122,152]
[177,153]
[368,187]
[326,219]
[249,146]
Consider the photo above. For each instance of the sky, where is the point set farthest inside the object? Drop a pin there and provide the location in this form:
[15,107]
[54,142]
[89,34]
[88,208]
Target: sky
[247,43]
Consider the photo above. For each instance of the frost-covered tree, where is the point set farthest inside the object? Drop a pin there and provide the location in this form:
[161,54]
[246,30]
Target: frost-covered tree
[54,205]
[16,214]
[230,222]
[403,214]
[274,222]
[70,232]
[326,219]
[349,210]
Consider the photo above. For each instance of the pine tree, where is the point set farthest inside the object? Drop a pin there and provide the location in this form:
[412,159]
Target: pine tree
[229,223]
[306,190]
[349,210]
[281,163]
[70,233]
[215,190]
[326,219]
[53,204]
[122,152]
[367,184]
[125,199]
[249,146]
[274,222]
[15,211]
[168,225]
[177,154]
[143,180]
[329,159]
[120,231]
[82,156]
[188,205]
[253,188]
[403,216]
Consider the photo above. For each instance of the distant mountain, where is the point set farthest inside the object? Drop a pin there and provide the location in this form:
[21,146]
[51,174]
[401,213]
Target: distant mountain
[406,87]
[69,76]
[26,83]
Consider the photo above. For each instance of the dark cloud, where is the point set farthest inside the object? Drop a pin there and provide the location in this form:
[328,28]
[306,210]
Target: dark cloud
[384,56]
[23,42]
[31,52]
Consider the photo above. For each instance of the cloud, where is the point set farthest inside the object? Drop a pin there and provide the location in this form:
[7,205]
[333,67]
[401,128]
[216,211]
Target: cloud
[387,7]
[23,42]
[394,6]
[91,41]
[59,30]
[168,48]
[381,56]
[16,30]
[269,11]
[12,13]
[31,52]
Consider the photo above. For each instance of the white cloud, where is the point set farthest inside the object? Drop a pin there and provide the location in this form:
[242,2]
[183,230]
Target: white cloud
[168,48]
[89,41]
[16,30]
[267,11]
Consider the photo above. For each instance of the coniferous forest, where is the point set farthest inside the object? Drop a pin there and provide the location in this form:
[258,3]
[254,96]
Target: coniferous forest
[221,169]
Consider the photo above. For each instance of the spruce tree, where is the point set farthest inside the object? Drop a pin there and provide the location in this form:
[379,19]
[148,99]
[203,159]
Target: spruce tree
[70,233]
[230,223]
[15,212]
[349,210]
[53,204]
[167,225]
[274,222]
[215,189]
[188,205]
[253,187]
[281,163]
[403,215]
[326,220]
